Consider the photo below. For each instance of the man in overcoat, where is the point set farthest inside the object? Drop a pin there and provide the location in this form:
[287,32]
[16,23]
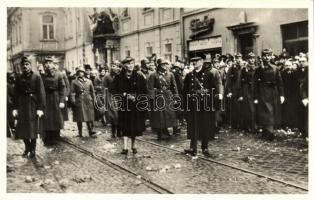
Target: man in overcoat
[162,87]
[246,98]
[55,102]
[82,97]
[29,105]
[269,90]
[201,88]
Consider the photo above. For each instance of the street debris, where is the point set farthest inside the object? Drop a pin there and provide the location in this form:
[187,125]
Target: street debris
[56,162]
[248,159]
[177,166]
[47,167]
[64,183]
[82,179]
[29,179]
[48,182]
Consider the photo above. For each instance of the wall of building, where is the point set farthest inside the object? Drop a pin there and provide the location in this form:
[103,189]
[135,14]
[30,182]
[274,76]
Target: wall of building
[268,21]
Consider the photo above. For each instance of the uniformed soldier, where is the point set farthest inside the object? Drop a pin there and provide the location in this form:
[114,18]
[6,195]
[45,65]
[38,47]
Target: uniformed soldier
[246,98]
[232,91]
[304,92]
[55,101]
[29,105]
[268,92]
[82,96]
[162,86]
[100,92]
[200,87]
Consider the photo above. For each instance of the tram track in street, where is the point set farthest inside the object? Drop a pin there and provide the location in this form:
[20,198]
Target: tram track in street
[209,160]
[146,181]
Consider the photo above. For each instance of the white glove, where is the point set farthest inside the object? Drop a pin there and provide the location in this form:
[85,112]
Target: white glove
[15,113]
[229,95]
[220,96]
[282,99]
[255,101]
[66,99]
[39,113]
[305,102]
[61,105]
[240,99]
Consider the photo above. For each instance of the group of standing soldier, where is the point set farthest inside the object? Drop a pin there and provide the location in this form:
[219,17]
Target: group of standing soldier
[207,94]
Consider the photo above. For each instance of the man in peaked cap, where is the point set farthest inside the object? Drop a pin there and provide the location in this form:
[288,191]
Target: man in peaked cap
[29,86]
[201,84]
[269,94]
[88,70]
[127,60]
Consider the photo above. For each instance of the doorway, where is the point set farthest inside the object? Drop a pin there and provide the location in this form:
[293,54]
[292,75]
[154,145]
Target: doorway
[245,44]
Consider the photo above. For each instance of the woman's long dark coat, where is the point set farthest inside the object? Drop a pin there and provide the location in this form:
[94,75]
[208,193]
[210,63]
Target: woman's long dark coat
[82,94]
[55,91]
[201,122]
[162,87]
[268,91]
[131,119]
[29,96]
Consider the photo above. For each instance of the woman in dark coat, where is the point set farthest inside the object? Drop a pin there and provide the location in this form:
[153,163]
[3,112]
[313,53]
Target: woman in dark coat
[55,102]
[162,86]
[82,97]
[29,104]
[130,86]
[246,98]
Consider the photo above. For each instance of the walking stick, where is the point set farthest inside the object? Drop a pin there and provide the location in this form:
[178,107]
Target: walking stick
[11,133]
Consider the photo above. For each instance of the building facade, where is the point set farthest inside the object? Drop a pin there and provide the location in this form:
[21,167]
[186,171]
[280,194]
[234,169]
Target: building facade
[223,31]
[69,33]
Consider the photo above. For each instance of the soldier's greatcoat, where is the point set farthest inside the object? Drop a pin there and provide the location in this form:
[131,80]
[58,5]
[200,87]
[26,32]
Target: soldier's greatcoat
[269,88]
[162,87]
[55,94]
[29,96]
[201,121]
[82,94]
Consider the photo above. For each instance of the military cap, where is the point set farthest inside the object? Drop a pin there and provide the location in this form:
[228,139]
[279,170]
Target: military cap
[237,55]
[49,58]
[267,51]
[80,69]
[208,58]
[163,61]
[251,55]
[25,59]
[87,67]
[127,60]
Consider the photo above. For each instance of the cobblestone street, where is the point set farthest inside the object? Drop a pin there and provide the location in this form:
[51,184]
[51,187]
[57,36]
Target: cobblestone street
[63,169]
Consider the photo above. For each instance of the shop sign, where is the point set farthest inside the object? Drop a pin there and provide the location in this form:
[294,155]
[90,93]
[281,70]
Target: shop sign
[200,27]
[207,43]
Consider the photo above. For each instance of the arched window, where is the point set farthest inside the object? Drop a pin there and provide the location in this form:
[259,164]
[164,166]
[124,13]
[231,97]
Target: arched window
[48,27]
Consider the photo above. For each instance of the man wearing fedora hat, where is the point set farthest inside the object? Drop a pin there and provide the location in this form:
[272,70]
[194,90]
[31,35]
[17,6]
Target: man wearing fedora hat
[28,107]
[269,91]
[82,98]
[55,101]
[200,88]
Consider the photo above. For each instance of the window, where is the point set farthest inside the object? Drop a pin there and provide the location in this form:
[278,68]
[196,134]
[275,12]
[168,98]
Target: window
[149,51]
[295,37]
[125,12]
[48,27]
[127,53]
[168,52]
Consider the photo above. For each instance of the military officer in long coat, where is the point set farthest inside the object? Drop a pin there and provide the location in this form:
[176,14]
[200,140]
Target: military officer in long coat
[304,93]
[130,86]
[269,90]
[82,97]
[232,91]
[55,102]
[162,87]
[246,98]
[29,105]
[201,87]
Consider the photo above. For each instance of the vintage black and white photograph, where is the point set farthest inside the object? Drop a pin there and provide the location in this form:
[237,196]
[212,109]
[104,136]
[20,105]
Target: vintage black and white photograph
[164,99]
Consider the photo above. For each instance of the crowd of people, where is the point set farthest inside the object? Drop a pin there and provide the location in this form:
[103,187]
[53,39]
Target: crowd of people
[255,94]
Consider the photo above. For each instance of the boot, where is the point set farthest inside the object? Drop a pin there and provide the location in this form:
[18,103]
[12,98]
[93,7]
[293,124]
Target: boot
[27,149]
[33,148]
